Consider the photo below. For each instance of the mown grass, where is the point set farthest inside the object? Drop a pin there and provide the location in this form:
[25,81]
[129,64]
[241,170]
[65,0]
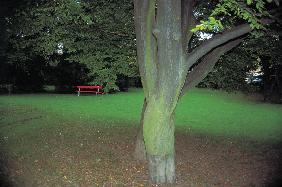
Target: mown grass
[58,140]
[231,115]
[201,111]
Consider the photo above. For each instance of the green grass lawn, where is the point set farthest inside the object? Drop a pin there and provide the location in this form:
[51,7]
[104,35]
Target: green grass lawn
[200,111]
[65,140]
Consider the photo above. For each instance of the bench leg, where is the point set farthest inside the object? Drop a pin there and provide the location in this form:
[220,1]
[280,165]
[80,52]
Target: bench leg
[78,93]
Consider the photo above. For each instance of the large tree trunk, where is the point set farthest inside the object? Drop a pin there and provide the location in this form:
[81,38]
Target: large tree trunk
[162,164]
[158,47]
[160,157]
[162,34]
[159,140]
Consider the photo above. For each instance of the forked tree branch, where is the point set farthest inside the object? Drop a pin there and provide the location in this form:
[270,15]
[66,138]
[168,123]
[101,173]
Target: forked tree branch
[144,17]
[200,71]
[218,40]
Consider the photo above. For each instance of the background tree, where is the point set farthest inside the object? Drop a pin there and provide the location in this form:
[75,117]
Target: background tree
[168,69]
[231,71]
[4,66]
[89,33]
[267,50]
[255,54]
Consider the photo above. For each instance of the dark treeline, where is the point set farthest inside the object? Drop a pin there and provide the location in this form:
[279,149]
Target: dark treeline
[106,53]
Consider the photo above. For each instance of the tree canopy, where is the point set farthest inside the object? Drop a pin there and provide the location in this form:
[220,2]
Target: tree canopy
[97,34]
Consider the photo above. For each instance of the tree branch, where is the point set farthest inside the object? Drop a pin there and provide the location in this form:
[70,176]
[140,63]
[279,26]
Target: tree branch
[218,40]
[206,65]
[188,21]
[170,55]
[144,17]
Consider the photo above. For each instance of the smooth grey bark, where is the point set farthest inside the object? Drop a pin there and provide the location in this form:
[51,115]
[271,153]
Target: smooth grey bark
[144,19]
[162,168]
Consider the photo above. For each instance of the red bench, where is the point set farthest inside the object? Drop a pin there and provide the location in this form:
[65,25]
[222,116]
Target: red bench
[89,89]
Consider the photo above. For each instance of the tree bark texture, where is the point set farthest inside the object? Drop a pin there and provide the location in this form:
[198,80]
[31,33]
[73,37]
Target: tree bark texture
[159,48]
[162,168]
[159,142]
[140,151]
[162,36]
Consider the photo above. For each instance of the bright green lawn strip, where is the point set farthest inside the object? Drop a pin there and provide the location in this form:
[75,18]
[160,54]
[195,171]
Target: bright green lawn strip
[119,107]
[230,115]
[203,111]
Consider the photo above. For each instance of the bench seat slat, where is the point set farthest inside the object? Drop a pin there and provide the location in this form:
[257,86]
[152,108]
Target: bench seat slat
[86,91]
[89,89]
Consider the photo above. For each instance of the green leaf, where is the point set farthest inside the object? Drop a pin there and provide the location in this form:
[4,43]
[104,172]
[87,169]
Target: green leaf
[249,2]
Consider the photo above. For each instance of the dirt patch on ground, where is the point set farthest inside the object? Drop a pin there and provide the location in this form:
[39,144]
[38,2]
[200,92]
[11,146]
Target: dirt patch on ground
[208,161]
[103,157]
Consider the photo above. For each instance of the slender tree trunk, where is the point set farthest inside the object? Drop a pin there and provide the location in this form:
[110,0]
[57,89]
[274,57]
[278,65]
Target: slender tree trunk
[140,151]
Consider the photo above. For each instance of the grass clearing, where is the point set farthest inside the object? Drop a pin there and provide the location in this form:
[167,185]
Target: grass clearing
[231,115]
[202,111]
[65,140]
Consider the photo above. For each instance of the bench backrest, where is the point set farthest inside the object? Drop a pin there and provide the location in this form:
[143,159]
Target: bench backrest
[91,87]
